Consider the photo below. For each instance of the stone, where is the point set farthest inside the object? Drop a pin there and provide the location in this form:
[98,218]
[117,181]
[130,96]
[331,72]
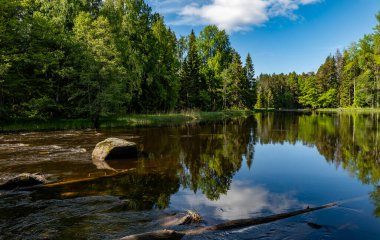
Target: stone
[113,148]
[23,180]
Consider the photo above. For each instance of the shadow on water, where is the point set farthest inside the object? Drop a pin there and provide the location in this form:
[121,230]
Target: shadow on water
[194,162]
[138,191]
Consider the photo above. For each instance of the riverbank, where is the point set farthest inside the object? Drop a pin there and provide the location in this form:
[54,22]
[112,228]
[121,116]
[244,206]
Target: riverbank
[350,110]
[133,120]
[156,120]
[326,110]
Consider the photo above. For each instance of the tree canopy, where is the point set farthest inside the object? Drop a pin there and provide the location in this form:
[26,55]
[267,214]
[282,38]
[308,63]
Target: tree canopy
[92,59]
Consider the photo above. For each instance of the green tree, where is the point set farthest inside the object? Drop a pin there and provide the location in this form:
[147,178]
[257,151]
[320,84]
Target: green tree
[339,73]
[131,22]
[215,54]
[161,94]
[376,49]
[249,84]
[292,83]
[233,79]
[366,83]
[346,86]
[309,92]
[10,46]
[102,89]
[327,83]
[191,80]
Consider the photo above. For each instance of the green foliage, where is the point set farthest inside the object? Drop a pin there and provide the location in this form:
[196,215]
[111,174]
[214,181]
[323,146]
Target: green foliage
[191,79]
[162,91]
[101,87]
[215,54]
[309,92]
[344,80]
[233,79]
[349,140]
[363,97]
[248,87]
[328,99]
[93,59]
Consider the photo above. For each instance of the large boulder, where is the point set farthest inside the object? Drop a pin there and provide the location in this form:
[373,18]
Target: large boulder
[23,180]
[113,148]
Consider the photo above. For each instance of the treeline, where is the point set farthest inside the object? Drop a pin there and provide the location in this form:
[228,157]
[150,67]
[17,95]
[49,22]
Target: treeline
[346,79]
[94,58]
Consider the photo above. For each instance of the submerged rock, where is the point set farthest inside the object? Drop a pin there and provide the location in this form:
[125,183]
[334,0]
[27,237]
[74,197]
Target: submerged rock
[23,180]
[113,148]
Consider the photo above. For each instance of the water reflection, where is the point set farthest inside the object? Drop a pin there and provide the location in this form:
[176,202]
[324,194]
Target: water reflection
[212,157]
[195,166]
[347,140]
[242,200]
[138,191]
[205,158]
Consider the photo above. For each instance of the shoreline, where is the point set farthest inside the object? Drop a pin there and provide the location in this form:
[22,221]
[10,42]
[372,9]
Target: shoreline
[128,121]
[156,120]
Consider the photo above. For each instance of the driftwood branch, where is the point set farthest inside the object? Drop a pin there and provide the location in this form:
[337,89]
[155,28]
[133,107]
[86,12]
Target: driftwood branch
[68,182]
[235,224]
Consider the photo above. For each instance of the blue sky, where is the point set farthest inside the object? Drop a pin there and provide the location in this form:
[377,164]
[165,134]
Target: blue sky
[281,35]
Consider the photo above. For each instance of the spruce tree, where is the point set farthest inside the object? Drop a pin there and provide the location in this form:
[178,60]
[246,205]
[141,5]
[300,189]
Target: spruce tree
[249,83]
[191,80]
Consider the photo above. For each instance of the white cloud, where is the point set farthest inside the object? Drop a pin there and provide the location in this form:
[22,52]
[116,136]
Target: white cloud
[235,15]
[241,201]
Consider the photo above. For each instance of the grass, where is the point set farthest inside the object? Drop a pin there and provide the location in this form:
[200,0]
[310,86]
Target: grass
[133,120]
[41,125]
[350,110]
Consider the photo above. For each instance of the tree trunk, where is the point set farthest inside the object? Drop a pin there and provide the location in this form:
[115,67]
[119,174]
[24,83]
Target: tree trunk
[235,224]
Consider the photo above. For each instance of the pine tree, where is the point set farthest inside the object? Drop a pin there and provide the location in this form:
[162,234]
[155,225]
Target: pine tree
[161,93]
[249,84]
[191,79]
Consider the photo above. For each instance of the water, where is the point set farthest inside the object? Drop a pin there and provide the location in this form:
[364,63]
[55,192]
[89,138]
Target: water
[270,163]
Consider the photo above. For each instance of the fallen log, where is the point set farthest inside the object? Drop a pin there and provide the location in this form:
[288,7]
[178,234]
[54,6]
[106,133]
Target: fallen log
[234,224]
[73,181]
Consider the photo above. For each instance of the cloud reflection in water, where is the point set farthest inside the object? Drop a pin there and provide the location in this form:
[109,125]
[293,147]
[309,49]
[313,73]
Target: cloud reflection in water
[241,201]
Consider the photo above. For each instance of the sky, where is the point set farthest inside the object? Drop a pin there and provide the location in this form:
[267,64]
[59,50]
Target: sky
[281,35]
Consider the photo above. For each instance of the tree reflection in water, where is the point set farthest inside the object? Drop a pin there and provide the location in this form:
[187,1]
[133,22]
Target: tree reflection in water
[204,158]
[347,140]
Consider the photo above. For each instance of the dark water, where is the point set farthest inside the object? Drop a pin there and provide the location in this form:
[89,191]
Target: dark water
[270,163]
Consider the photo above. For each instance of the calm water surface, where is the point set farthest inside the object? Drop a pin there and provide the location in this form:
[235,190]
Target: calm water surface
[270,163]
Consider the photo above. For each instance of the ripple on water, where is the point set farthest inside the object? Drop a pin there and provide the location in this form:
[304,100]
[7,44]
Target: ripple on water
[78,150]
[13,145]
[94,217]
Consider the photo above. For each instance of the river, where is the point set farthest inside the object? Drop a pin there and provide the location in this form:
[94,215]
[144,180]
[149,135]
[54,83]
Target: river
[266,164]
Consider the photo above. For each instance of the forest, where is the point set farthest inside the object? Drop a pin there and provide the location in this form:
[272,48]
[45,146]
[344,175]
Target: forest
[349,78]
[92,59]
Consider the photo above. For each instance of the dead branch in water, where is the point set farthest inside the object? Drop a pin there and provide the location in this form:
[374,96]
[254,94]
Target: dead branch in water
[73,181]
[234,224]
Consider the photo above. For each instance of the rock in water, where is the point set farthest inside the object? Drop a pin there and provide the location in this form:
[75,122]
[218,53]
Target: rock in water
[113,148]
[23,180]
